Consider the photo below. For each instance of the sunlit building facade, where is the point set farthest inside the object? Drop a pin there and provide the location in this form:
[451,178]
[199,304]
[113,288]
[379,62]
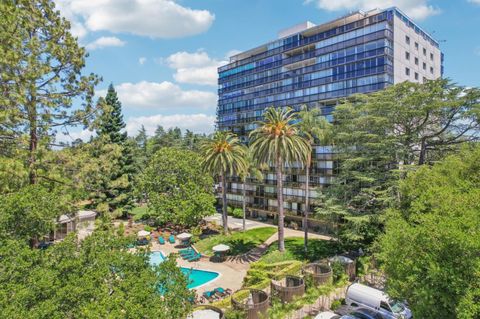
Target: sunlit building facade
[316,65]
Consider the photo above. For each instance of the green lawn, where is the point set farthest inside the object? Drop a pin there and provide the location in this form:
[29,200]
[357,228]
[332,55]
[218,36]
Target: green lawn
[317,249]
[239,242]
[138,212]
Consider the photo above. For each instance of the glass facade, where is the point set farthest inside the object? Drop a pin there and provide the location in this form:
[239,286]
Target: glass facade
[308,68]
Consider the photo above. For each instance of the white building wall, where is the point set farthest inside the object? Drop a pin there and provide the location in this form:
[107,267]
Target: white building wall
[401,63]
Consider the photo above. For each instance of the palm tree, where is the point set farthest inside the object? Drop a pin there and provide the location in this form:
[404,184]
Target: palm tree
[313,127]
[252,171]
[223,155]
[277,140]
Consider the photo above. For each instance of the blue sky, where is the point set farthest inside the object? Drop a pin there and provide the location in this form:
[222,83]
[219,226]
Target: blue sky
[162,55]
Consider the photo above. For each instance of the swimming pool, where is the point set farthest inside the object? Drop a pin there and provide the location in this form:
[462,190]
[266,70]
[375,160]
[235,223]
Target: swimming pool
[197,277]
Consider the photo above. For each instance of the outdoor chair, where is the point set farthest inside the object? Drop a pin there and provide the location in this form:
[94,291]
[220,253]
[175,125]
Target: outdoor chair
[210,295]
[195,257]
[220,291]
[161,240]
[171,239]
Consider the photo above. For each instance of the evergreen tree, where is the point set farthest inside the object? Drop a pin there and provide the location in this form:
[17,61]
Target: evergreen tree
[111,119]
[116,193]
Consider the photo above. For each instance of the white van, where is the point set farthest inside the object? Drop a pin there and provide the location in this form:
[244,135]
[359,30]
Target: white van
[368,297]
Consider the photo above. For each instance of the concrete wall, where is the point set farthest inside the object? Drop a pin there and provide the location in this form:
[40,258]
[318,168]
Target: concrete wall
[400,63]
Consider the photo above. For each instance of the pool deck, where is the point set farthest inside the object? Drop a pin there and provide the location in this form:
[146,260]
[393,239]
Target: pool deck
[233,270]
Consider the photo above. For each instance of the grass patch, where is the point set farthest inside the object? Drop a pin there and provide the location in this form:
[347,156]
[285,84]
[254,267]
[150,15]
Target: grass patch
[317,249]
[139,212]
[239,242]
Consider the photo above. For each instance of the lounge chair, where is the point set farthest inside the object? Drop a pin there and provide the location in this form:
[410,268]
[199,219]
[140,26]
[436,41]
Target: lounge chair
[209,295]
[186,250]
[222,292]
[187,254]
[195,257]
[161,240]
[171,239]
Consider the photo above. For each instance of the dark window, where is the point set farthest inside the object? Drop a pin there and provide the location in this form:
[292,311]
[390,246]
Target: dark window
[424,51]
[416,76]
[431,56]
[384,306]
[407,39]
[416,45]
[424,66]
[431,70]
[407,71]
[416,61]
[407,55]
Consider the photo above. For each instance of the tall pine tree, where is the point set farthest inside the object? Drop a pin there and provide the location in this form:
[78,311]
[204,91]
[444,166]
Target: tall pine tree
[116,195]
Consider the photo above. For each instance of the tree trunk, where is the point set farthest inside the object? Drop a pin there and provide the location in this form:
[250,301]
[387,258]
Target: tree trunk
[32,148]
[423,151]
[281,239]
[244,204]
[224,204]
[307,204]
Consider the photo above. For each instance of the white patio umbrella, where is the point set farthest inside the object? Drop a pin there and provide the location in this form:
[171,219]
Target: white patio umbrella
[143,233]
[204,314]
[184,236]
[221,248]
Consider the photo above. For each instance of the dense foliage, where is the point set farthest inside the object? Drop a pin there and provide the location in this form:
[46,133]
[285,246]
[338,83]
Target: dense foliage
[30,213]
[97,279]
[177,189]
[115,193]
[380,137]
[41,75]
[430,251]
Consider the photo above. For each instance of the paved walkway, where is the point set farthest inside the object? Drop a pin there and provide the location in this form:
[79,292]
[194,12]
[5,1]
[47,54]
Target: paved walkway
[233,270]
[236,223]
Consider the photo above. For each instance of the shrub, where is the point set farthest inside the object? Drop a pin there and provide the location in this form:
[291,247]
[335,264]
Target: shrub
[237,213]
[229,210]
[147,228]
[336,304]
[121,229]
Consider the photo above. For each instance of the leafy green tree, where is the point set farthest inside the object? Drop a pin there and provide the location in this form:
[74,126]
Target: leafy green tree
[30,213]
[382,136]
[224,155]
[430,251]
[177,189]
[315,129]
[277,140]
[97,278]
[41,65]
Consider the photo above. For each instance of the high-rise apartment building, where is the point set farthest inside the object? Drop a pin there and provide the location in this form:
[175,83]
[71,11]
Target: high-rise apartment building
[316,65]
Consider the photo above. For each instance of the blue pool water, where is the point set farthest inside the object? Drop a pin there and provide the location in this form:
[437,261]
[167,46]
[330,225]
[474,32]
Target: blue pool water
[196,277]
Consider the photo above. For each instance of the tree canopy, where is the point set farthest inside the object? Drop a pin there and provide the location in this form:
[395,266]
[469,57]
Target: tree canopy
[97,279]
[176,187]
[431,248]
[41,76]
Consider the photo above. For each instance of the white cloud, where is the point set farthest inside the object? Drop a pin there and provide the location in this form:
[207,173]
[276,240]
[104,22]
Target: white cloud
[70,136]
[474,1]
[194,68]
[103,42]
[142,60]
[416,9]
[161,96]
[198,123]
[152,18]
